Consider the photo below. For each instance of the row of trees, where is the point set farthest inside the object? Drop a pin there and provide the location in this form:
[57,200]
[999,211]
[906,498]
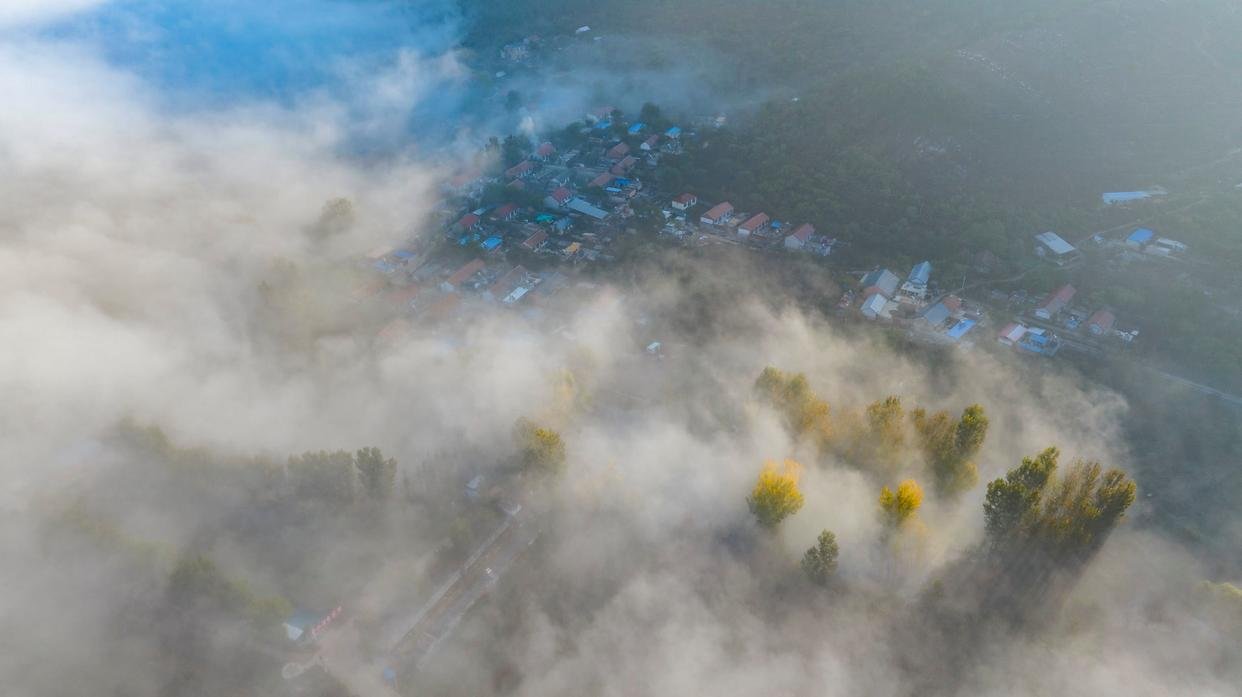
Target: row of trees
[340,476]
[881,437]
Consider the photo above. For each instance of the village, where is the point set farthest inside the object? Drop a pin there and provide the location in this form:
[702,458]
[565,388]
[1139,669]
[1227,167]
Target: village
[515,234]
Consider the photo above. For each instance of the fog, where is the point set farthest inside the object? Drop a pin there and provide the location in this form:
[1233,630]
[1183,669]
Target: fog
[148,216]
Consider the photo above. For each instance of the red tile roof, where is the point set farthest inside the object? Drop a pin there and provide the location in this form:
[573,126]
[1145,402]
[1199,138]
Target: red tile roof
[1058,298]
[466,272]
[625,165]
[618,151]
[651,142]
[545,150]
[755,222]
[1102,319]
[504,211]
[521,168]
[603,180]
[535,240]
[468,221]
[803,233]
[719,211]
[562,194]
[686,199]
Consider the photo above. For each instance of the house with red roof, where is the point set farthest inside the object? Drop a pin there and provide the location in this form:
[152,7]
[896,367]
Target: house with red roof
[719,214]
[650,144]
[685,201]
[1101,322]
[603,180]
[625,165]
[463,275]
[559,197]
[469,222]
[506,212]
[1055,302]
[512,287]
[544,152]
[521,170]
[753,224]
[617,151]
[797,239]
[536,240]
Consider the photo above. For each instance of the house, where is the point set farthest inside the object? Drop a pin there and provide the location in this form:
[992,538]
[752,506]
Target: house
[960,329]
[876,307]
[602,113]
[491,244]
[650,144]
[1011,334]
[1123,197]
[559,197]
[1101,322]
[625,165]
[506,212]
[881,281]
[1166,247]
[685,202]
[1050,245]
[1140,238]
[637,128]
[915,285]
[719,214]
[1055,302]
[797,239]
[1039,341]
[536,240]
[753,224]
[617,151]
[511,287]
[544,152]
[602,180]
[673,132]
[521,170]
[469,222]
[936,315]
[580,206]
[517,184]
[562,225]
[462,276]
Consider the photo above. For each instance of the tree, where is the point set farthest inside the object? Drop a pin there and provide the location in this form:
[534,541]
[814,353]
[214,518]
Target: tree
[649,114]
[1010,502]
[776,495]
[336,217]
[377,474]
[540,449]
[515,148]
[820,561]
[949,446]
[805,413]
[899,508]
[513,100]
[326,476]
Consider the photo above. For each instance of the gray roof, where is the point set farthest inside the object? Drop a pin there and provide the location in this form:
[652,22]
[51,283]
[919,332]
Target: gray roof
[882,279]
[937,314]
[577,204]
[1053,242]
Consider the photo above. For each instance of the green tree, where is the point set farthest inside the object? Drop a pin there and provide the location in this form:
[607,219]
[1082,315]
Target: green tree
[820,561]
[377,474]
[325,476]
[775,495]
[515,148]
[805,413]
[540,449]
[949,447]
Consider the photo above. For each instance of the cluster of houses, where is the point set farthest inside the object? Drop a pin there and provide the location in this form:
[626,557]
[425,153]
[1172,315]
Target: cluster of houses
[909,302]
[756,229]
[1056,310]
[1146,241]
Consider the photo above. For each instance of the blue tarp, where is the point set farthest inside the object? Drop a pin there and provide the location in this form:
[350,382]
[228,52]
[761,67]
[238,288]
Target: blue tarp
[491,243]
[637,128]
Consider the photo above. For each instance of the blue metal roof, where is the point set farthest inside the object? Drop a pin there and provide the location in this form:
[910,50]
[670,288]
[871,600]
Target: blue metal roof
[673,132]
[920,273]
[1141,236]
[936,314]
[403,254]
[638,127]
[1123,196]
[603,124]
[491,243]
[959,330]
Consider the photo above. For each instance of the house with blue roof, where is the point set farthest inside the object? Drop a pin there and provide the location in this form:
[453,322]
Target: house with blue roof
[491,244]
[1140,238]
[637,128]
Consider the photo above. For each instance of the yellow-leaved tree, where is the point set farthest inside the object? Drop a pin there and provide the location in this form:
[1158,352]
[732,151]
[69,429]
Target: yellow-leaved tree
[899,508]
[776,495]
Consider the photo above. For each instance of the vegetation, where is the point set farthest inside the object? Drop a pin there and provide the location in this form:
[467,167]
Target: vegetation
[899,508]
[776,496]
[197,579]
[949,446]
[540,449]
[820,561]
[377,473]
